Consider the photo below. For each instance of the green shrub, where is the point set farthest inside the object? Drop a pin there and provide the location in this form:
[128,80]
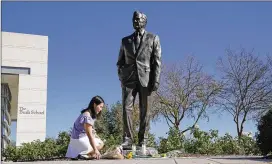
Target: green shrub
[174,141]
[37,150]
[11,153]
[208,143]
[163,146]
[151,141]
[200,142]
[249,145]
[227,145]
[62,143]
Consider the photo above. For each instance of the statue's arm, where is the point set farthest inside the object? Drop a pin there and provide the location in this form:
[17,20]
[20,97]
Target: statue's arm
[121,59]
[157,59]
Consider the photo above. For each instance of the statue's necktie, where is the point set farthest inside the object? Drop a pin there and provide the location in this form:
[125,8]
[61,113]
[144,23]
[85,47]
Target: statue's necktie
[137,40]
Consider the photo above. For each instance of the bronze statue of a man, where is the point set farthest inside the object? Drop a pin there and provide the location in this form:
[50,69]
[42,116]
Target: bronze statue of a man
[139,68]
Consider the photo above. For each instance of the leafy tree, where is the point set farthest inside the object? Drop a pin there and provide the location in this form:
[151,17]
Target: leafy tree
[264,136]
[102,124]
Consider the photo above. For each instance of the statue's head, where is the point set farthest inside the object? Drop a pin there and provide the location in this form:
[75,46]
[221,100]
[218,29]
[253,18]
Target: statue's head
[139,20]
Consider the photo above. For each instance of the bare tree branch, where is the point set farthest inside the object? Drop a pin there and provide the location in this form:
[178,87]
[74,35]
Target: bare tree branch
[247,87]
[185,91]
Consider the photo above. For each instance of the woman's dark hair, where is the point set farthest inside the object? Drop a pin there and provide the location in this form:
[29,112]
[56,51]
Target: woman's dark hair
[95,100]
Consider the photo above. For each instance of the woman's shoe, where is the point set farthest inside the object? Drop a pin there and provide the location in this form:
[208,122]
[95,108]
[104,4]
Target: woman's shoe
[83,157]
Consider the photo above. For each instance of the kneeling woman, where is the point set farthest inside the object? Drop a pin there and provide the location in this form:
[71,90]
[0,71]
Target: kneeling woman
[83,141]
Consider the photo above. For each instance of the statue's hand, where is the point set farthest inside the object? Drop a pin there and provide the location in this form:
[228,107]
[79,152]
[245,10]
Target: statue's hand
[155,86]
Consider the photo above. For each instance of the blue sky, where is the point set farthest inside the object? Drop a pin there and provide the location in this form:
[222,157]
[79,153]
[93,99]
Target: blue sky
[84,40]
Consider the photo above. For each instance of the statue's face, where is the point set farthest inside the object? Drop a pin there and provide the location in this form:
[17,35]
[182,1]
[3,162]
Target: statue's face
[138,22]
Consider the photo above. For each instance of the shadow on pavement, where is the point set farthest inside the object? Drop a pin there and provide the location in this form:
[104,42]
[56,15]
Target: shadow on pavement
[259,159]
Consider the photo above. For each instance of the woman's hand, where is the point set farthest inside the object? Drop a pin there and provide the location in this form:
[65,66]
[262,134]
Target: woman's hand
[88,128]
[97,154]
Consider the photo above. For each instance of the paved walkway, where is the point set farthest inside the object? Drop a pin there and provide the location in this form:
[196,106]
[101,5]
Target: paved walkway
[201,160]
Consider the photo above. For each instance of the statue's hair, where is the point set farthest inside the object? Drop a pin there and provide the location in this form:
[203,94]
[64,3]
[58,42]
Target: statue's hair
[142,15]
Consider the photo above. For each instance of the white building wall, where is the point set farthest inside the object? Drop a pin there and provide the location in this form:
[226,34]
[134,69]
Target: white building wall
[28,51]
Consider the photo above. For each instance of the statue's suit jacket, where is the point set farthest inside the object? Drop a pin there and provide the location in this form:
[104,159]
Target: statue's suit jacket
[146,60]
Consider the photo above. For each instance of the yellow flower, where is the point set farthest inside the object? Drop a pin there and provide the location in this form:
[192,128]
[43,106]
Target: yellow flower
[129,155]
[163,155]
